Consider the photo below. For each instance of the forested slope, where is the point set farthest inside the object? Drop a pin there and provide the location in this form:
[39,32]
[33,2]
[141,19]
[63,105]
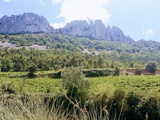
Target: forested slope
[62,50]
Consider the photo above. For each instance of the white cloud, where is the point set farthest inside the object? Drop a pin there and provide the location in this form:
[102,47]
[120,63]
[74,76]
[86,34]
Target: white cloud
[6,0]
[83,10]
[56,1]
[148,32]
[57,25]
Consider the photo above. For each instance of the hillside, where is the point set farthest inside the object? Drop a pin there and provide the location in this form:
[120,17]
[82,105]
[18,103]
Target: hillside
[63,50]
[91,45]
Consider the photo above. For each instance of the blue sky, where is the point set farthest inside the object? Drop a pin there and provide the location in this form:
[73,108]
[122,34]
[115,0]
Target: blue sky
[140,19]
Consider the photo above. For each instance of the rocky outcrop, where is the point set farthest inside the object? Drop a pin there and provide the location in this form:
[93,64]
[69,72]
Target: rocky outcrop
[33,23]
[25,23]
[95,30]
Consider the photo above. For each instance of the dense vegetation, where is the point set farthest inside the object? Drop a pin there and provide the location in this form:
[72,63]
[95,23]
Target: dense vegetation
[123,97]
[38,82]
[64,51]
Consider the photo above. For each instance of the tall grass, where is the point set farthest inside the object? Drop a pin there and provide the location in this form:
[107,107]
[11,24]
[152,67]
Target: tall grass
[28,107]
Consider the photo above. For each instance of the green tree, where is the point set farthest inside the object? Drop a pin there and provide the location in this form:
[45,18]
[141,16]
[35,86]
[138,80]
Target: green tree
[100,62]
[75,83]
[6,64]
[116,72]
[90,64]
[73,61]
[131,65]
[137,72]
[151,66]
[32,69]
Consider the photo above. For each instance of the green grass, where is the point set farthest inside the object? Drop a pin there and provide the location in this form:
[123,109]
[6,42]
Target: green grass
[39,84]
[32,105]
[142,84]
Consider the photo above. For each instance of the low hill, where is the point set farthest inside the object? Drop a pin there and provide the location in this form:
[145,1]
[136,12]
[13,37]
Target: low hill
[119,53]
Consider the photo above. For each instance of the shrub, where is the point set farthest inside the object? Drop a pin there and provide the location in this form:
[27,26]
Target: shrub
[97,72]
[126,73]
[56,75]
[137,72]
[133,101]
[9,88]
[151,66]
[32,69]
[118,104]
[75,82]
[116,72]
[87,73]
[149,107]
[31,75]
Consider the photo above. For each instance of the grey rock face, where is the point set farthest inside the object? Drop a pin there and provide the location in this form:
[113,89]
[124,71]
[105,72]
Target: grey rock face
[26,23]
[77,28]
[99,30]
[95,30]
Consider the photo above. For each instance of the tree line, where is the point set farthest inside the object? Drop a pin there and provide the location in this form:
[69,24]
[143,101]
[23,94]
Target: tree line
[22,60]
[65,51]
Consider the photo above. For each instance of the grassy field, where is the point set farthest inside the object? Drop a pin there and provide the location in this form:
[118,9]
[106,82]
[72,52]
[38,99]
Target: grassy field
[17,81]
[141,84]
[115,90]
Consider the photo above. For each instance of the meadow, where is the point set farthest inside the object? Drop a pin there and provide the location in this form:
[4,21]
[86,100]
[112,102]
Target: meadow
[44,84]
[126,97]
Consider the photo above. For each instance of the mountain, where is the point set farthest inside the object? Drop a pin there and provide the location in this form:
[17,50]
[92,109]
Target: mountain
[25,23]
[95,30]
[33,23]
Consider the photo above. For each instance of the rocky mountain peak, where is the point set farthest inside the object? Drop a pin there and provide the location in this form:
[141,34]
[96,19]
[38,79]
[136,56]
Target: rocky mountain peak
[98,22]
[81,23]
[25,23]
[96,30]
[33,23]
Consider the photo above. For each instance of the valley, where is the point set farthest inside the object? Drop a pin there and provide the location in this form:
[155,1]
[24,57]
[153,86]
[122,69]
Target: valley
[83,71]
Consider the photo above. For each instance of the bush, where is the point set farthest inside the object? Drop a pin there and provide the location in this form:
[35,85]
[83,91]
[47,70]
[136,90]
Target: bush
[87,73]
[118,104]
[32,69]
[133,101]
[149,107]
[56,75]
[9,88]
[31,75]
[126,73]
[151,66]
[116,72]
[75,83]
[97,72]
[137,72]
